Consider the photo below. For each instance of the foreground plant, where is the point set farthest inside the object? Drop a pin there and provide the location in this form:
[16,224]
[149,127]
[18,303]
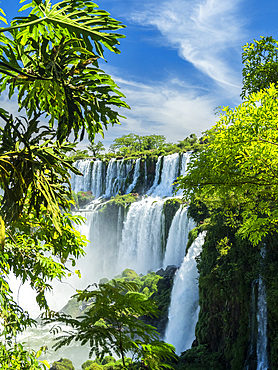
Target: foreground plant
[49,61]
[112,324]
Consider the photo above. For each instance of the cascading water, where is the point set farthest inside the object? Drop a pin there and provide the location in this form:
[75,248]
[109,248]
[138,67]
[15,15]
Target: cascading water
[135,176]
[157,175]
[135,237]
[177,238]
[262,358]
[141,245]
[81,183]
[185,161]
[170,172]
[97,179]
[116,175]
[184,308]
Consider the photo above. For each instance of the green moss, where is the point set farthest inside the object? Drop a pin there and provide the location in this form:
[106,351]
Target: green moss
[130,274]
[199,358]
[83,198]
[62,364]
[121,200]
[72,308]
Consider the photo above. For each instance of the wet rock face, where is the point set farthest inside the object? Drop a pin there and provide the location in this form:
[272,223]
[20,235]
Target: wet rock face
[163,297]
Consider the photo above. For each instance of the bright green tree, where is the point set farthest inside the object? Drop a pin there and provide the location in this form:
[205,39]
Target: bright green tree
[62,364]
[96,148]
[260,60]
[237,169]
[49,60]
[112,325]
[131,143]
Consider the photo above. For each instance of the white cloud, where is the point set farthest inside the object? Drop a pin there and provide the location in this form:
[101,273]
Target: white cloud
[206,33]
[167,108]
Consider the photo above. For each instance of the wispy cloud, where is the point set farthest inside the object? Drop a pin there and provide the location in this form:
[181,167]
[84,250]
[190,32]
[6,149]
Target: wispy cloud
[206,33]
[171,109]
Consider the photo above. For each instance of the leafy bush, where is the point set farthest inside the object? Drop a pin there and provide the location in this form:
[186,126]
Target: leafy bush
[63,364]
[84,197]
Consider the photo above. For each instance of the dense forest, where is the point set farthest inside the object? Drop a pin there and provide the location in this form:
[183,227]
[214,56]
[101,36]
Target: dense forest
[49,61]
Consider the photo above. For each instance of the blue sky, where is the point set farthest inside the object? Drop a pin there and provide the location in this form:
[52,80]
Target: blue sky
[180,60]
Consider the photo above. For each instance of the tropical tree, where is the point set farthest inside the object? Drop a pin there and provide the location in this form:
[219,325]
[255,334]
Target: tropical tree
[49,59]
[96,148]
[237,169]
[130,143]
[260,64]
[112,324]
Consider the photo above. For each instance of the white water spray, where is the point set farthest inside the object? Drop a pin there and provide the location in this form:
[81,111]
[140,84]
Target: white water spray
[184,307]
[135,176]
[262,358]
[177,238]
[141,245]
[170,172]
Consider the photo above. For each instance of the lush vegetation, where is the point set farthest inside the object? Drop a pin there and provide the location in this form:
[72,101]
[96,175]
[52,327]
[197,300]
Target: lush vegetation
[111,324]
[49,60]
[154,286]
[232,189]
[134,146]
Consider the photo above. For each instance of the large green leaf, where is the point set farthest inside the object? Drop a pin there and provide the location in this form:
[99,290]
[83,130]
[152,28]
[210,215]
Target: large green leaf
[52,60]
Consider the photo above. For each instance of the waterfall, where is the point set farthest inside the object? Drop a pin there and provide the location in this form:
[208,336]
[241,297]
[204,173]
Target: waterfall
[97,178]
[141,245]
[184,163]
[111,177]
[81,183]
[184,308]
[134,237]
[116,175]
[157,174]
[102,251]
[108,182]
[135,176]
[177,238]
[262,358]
[170,172]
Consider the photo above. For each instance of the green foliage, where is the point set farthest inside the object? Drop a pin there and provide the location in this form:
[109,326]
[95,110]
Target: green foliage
[49,59]
[84,197]
[86,364]
[77,154]
[51,56]
[34,170]
[260,65]
[96,148]
[227,265]
[62,364]
[199,358]
[237,168]
[111,324]
[232,189]
[94,366]
[128,144]
[129,274]
[17,358]
[188,142]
